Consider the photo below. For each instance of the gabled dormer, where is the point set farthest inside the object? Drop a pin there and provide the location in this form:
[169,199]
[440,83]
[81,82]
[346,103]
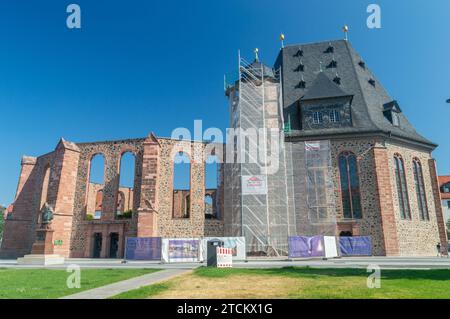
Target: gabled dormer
[391,111]
[325,105]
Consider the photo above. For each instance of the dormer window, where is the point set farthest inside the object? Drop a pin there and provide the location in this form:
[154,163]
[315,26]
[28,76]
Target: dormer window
[395,120]
[391,112]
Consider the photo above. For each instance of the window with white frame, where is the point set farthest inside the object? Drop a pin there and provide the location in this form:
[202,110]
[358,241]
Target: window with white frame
[317,118]
[335,116]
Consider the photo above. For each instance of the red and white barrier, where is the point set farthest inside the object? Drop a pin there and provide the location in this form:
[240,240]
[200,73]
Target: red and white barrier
[224,257]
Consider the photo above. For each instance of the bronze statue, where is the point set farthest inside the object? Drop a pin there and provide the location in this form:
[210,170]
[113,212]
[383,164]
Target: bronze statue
[47,214]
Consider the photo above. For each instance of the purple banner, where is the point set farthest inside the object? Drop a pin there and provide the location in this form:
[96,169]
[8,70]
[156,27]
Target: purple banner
[143,248]
[301,246]
[355,246]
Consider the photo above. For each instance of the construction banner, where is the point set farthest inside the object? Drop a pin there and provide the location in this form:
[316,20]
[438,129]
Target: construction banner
[143,248]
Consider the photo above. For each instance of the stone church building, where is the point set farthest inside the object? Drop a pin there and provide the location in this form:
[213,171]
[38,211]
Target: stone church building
[378,177]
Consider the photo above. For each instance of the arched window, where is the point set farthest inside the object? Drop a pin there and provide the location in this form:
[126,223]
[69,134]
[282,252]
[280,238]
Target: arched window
[120,202]
[402,189]
[420,190]
[126,185]
[351,199]
[45,182]
[209,207]
[95,185]
[98,204]
[181,204]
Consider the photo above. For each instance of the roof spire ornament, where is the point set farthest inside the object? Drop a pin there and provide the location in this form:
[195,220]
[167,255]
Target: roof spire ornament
[256,55]
[345,29]
[282,40]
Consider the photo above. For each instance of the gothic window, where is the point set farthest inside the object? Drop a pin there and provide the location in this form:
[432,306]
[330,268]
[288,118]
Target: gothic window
[211,183]
[95,183]
[335,116]
[126,184]
[402,189]
[420,190]
[350,192]
[317,118]
[182,186]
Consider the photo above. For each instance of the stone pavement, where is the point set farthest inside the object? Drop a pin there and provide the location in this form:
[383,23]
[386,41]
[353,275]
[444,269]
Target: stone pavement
[129,284]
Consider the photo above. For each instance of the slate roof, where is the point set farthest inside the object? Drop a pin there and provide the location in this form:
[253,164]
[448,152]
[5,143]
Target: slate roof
[320,64]
[323,88]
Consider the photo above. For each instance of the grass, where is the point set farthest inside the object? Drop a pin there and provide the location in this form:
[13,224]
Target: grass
[296,282]
[49,283]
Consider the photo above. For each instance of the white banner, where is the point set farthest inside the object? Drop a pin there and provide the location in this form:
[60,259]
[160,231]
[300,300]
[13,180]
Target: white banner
[254,185]
[180,250]
[330,246]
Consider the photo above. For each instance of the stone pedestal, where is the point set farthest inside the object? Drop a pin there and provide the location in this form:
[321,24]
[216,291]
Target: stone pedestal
[42,250]
[41,259]
[43,243]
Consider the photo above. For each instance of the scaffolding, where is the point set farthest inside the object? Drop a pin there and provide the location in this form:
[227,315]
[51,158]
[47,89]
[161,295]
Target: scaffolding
[256,198]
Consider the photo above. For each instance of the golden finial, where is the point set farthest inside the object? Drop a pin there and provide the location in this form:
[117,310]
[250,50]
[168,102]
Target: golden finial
[256,54]
[282,40]
[345,29]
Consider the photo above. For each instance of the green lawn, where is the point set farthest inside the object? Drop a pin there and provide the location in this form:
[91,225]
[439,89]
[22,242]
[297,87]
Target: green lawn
[294,282]
[49,283]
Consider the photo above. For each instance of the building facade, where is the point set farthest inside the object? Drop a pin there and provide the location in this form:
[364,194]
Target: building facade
[61,179]
[335,155]
[444,186]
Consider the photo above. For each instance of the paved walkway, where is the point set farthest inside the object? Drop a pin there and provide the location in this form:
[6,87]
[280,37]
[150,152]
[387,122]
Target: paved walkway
[129,284]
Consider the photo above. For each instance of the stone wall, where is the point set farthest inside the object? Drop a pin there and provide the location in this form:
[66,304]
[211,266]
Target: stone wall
[371,223]
[415,237]
[82,230]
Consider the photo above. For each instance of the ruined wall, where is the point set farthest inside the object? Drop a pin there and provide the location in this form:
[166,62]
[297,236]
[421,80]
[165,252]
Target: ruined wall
[19,231]
[82,229]
[95,198]
[181,227]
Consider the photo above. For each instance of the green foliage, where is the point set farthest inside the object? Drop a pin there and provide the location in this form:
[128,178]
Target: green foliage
[49,283]
[126,215]
[89,217]
[143,292]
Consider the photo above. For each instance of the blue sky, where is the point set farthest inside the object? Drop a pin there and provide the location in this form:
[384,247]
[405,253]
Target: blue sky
[141,66]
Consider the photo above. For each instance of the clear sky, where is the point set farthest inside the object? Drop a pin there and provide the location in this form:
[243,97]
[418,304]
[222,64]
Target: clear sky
[141,66]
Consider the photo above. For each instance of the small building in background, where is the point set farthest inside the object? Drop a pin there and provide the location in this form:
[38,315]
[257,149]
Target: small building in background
[444,186]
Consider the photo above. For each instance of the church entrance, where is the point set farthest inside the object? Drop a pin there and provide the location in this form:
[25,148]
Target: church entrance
[113,245]
[97,245]
[346,234]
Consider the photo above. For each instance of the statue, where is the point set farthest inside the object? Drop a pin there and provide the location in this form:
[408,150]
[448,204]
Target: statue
[47,214]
